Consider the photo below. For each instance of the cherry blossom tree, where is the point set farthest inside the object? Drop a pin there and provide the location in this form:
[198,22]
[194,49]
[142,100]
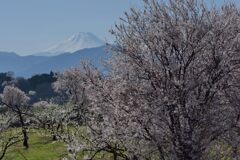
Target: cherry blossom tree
[69,83]
[16,102]
[8,136]
[175,65]
[172,87]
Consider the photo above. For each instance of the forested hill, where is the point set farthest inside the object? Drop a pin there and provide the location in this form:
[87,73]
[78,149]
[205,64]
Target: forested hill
[40,85]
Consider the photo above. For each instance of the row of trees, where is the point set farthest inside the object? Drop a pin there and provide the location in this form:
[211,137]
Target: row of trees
[171,91]
[40,85]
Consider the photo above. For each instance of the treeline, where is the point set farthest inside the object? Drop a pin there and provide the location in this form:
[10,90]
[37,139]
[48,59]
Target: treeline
[38,87]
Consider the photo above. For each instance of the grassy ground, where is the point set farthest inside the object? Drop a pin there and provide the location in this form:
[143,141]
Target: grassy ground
[41,148]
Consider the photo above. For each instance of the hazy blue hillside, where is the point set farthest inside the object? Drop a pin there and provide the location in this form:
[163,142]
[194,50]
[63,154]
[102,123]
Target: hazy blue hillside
[18,64]
[29,65]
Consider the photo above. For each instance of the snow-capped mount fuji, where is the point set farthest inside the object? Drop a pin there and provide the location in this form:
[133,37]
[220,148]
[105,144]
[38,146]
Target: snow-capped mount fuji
[68,54]
[76,42]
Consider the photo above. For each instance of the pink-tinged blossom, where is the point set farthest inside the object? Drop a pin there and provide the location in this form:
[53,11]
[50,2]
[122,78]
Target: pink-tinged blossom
[13,96]
[172,87]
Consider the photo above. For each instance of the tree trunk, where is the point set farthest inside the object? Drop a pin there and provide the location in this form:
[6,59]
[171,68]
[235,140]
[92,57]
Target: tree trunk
[25,138]
[115,156]
[54,137]
[235,153]
[135,157]
[24,131]
[186,153]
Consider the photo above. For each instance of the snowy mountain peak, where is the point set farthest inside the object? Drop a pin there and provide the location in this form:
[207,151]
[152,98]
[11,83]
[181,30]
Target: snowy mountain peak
[82,35]
[76,42]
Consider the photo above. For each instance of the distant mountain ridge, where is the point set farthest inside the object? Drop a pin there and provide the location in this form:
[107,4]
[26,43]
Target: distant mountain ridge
[27,66]
[81,40]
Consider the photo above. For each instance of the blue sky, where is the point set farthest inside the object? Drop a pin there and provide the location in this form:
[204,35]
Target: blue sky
[30,26]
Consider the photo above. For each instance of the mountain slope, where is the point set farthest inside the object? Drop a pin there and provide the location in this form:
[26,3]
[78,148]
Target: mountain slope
[29,65]
[17,64]
[65,61]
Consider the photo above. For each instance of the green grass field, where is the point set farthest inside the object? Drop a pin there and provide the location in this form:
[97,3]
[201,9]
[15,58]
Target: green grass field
[41,148]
